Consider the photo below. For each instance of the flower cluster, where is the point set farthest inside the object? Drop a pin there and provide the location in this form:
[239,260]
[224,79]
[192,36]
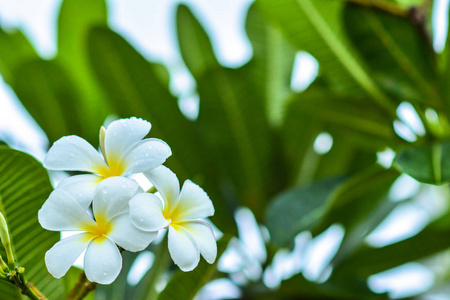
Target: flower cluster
[111,211]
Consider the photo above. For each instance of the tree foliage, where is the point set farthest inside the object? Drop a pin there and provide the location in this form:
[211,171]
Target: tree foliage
[253,142]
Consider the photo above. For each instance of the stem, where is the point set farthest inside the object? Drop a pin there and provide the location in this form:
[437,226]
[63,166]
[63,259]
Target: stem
[32,292]
[81,288]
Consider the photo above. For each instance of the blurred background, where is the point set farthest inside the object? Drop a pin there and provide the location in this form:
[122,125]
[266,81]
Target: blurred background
[319,128]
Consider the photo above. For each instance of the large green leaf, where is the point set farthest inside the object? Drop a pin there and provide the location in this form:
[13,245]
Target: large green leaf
[76,18]
[398,54]
[195,45]
[235,129]
[14,50]
[429,163]
[315,26]
[299,208]
[271,65]
[185,285]
[50,96]
[24,186]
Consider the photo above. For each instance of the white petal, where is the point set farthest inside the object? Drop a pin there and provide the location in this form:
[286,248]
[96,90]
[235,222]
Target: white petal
[72,153]
[127,236]
[62,212]
[112,196]
[122,134]
[194,203]
[102,261]
[204,238]
[167,184]
[182,248]
[81,188]
[146,212]
[146,155]
[63,254]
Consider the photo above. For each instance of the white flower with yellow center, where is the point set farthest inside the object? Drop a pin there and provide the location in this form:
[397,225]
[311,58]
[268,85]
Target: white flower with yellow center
[100,237]
[123,152]
[181,212]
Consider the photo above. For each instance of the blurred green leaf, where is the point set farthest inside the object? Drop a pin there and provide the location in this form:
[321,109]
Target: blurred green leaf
[236,132]
[351,290]
[185,285]
[50,96]
[360,205]
[299,208]
[76,18]
[399,55]
[195,46]
[24,186]
[14,50]
[367,260]
[358,129]
[358,197]
[271,65]
[429,163]
[315,26]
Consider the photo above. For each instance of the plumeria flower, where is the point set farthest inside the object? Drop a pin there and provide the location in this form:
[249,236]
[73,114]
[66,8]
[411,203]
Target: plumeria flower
[100,237]
[123,152]
[181,212]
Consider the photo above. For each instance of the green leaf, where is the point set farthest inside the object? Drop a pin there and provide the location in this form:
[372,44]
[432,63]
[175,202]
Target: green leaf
[50,96]
[432,240]
[358,128]
[195,46]
[76,18]
[185,285]
[350,290]
[428,164]
[315,26]
[358,197]
[360,205]
[236,132]
[298,209]
[24,186]
[399,55]
[271,65]
[15,49]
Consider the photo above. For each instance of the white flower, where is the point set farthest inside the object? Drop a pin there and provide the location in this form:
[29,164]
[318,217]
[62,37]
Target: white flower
[123,152]
[112,225]
[188,236]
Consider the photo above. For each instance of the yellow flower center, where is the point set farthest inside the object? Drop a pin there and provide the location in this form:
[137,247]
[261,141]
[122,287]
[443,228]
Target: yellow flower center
[100,230]
[115,168]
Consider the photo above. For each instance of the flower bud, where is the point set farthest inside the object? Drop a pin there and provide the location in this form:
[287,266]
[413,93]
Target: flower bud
[4,236]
